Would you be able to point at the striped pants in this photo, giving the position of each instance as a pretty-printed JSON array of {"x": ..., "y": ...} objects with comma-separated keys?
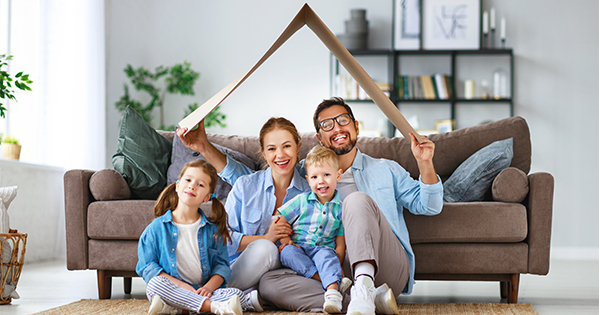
[{"x": 181, "y": 298}]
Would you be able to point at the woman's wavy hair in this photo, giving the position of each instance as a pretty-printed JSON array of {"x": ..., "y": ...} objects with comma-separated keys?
[{"x": 168, "y": 199}]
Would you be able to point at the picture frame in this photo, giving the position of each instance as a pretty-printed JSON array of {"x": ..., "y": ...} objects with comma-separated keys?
[
  {"x": 443, "y": 126},
  {"x": 407, "y": 25},
  {"x": 451, "y": 24}
]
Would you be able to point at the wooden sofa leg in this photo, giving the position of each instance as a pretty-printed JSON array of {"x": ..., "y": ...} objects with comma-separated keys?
[
  {"x": 104, "y": 285},
  {"x": 127, "y": 285},
  {"x": 513, "y": 288},
  {"x": 503, "y": 289}
]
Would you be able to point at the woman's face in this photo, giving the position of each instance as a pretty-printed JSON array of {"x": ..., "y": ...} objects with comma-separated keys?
[{"x": 280, "y": 151}]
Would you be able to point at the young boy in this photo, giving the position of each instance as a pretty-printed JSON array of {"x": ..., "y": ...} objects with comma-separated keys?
[{"x": 318, "y": 244}]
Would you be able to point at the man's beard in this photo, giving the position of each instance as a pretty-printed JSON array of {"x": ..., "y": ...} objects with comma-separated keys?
[{"x": 345, "y": 149}]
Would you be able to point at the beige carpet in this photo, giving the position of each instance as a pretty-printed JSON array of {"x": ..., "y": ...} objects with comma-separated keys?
[{"x": 102, "y": 307}]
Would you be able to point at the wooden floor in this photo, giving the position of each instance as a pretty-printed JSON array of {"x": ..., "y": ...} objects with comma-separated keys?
[{"x": 571, "y": 287}]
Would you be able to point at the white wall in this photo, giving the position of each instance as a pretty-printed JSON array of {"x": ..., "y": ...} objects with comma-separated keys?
[{"x": 556, "y": 77}]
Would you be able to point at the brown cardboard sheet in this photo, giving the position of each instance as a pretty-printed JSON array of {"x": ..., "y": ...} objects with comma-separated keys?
[{"x": 308, "y": 17}]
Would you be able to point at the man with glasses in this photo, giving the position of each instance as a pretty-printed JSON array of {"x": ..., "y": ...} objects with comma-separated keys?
[{"x": 374, "y": 193}]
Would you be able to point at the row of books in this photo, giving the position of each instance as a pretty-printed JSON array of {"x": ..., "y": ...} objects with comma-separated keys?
[
  {"x": 348, "y": 88},
  {"x": 437, "y": 86}
]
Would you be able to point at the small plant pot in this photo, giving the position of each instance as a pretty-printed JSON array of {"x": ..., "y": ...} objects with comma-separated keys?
[{"x": 11, "y": 151}]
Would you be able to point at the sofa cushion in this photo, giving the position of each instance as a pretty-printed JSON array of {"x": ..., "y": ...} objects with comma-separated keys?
[
  {"x": 142, "y": 157},
  {"x": 108, "y": 184},
  {"x": 473, "y": 178},
  {"x": 119, "y": 219},
  {"x": 470, "y": 222},
  {"x": 511, "y": 185},
  {"x": 181, "y": 155}
]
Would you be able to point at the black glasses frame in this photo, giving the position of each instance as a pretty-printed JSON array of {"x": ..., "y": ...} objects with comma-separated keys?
[{"x": 336, "y": 119}]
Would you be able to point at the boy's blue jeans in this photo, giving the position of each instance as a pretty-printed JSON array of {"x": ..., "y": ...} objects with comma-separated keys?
[{"x": 309, "y": 260}]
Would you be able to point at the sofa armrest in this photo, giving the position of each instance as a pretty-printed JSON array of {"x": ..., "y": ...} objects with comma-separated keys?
[
  {"x": 77, "y": 199},
  {"x": 539, "y": 220}
]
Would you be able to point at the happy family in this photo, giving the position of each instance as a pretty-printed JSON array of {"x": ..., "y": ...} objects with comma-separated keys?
[{"x": 323, "y": 234}]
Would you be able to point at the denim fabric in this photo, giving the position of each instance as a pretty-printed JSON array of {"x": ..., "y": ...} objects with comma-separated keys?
[
  {"x": 309, "y": 260},
  {"x": 156, "y": 250},
  {"x": 473, "y": 177},
  {"x": 251, "y": 202}
]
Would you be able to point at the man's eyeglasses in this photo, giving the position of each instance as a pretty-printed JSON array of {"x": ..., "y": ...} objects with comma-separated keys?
[{"x": 342, "y": 120}]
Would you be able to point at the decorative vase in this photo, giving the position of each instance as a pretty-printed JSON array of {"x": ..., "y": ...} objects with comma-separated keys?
[{"x": 11, "y": 151}]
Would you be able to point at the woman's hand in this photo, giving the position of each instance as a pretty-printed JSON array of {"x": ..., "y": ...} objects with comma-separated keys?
[
  {"x": 196, "y": 139},
  {"x": 278, "y": 230}
]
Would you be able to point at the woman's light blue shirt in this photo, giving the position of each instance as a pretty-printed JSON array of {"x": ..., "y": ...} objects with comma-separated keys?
[
  {"x": 251, "y": 201},
  {"x": 156, "y": 250}
]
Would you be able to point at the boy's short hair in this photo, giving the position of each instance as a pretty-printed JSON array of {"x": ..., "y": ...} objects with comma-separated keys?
[{"x": 319, "y": 155}]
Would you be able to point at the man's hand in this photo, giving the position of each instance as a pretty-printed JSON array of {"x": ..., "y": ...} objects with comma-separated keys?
[{"x": 423, "y": 152}]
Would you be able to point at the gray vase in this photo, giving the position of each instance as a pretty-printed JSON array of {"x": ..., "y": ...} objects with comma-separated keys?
[{"x": 357, "y": 30}]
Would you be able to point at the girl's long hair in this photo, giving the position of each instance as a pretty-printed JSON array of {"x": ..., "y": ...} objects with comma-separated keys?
[{"x": 168, "y": 199}]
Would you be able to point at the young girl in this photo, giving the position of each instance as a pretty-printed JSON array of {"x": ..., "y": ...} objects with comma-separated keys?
[{"x": 182, "y": 255}]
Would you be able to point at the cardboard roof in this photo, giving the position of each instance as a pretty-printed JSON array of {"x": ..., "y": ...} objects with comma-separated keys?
[{"x": 308, "y": 17}]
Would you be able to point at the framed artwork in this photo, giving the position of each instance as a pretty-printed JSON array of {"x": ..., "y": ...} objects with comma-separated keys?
[
  {"x": 407, "y": 24},
  {"x": 443, "y": 126},
  {"x": 451, "y": 24}
]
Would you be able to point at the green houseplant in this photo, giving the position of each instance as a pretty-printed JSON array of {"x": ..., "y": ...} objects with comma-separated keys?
[
  {"x": 177, "y": 79},
  {"x": 8, "y": 83}
]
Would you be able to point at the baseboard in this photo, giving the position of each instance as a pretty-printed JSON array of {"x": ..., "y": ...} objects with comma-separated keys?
[{"x": 574, "y": 253}]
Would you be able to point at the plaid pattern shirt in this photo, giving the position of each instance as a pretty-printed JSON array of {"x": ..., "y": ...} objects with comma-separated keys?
[{"x": 314, "y": 224}]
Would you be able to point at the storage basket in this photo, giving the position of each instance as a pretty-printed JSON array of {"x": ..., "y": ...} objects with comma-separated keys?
[{"x": 12, "y": 244}]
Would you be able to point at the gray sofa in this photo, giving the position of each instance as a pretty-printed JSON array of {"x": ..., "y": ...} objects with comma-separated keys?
[{"x": 491, "y": 240}]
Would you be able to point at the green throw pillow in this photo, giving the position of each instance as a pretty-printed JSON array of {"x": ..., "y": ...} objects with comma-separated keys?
[{"x": 143, "y": 156}]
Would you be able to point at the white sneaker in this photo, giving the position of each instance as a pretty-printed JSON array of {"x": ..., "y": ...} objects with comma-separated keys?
[
  {"x": 362, "y": 298},
  {"x": 345, "y": 284},
  {"x": 158, "y": 306},
  {"x": 251, "y": 302},
  {"x": 333, "y": 302},
  {"x": 385, "y": 301},
  {"x": 231, "y": 307}
]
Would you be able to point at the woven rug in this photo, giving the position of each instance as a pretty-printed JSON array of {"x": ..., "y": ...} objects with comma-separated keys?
[{"x": 101, "y": 307}]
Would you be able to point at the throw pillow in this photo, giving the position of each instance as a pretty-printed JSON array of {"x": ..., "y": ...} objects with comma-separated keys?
[
  {"x": 142, "y": 157},
  {"x": 473, "y": 178},
  {"x": 182, "y": 155},
  {"x": 108, "y": 184},
  {"x": 511, "y": 185}
]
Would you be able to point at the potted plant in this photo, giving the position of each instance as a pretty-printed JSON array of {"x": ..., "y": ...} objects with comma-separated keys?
[
  {"x": 11, "y": 148},
  {"x": 177, "y": 79}
]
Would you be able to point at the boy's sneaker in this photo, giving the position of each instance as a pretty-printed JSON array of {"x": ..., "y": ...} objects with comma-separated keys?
[
  {"x": 158, "y": 306},
  {"x": 333, "y": 302},
  {"x": 231, "y": 307},
  {"x": 345, "y": 284},
  {"x": 251, "y": 302},
  {"x": 385, "y": 301},
  {"x": 362, "y": 298}
]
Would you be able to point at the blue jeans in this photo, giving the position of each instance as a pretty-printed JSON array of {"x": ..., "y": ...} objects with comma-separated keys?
[{"x": 309, "y": 260}]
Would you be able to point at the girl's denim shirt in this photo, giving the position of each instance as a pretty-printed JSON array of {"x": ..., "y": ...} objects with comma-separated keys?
[{"x": 156, "y": 250}]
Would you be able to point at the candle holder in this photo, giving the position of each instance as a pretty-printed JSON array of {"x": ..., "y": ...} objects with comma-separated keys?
[
  {"x": 484, "y": 44},
  {"x": 492, "y": 38},
  {"x": 503, "y": 43}
]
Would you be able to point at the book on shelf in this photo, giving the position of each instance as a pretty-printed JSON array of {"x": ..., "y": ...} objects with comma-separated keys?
[{"x": 429, "y": 87}]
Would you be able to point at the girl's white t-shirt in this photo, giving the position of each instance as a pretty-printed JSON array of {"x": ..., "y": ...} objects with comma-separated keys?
[{"x": 188, "y": 253}]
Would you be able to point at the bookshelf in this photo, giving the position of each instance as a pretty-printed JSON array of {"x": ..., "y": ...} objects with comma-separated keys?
[{"x": 458, "y": 65}]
